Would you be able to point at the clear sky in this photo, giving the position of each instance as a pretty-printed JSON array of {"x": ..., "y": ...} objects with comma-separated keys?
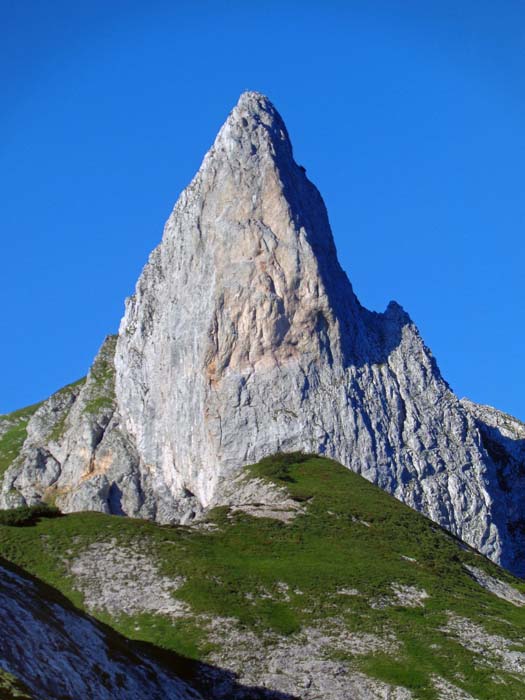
[{"x": 409, "y": 117}]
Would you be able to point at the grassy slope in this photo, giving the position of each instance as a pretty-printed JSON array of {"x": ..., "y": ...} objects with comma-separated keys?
[{"x": 320, "y": 552}]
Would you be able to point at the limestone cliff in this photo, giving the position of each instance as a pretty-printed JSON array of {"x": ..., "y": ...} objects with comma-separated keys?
[{"x": 243, "y": 338}]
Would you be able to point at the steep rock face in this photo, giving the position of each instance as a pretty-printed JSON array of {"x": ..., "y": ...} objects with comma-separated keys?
[
  {"x": 243, "y": 338},
  {"x": 57, "y": 652}
]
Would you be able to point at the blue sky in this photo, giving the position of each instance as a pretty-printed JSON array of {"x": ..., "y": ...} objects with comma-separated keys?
[{"x": 408, "y": 116}]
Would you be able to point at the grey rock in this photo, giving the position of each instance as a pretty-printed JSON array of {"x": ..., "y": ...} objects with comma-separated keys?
[
  {"x": 448, "y": 691},
  {"x": 122, "y": 580},
  {"x": 503, "y": 438},
  {"x": 57, "y": 651},
  {"x": 494, "y": 651},
  {"x": 404, "y": 596},
  {"x": 75, "y": 454},
  {"x": 494, "y": 585},
  {"x": 244, "y": 338},
  {"x": 258, "y": 498},
  {"x": 300, "y": 665}
]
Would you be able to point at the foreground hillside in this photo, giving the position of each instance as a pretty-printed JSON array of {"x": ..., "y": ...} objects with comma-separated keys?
[
  {"x": 48, "y": 649},
  {"x": 312, "y": 583}
]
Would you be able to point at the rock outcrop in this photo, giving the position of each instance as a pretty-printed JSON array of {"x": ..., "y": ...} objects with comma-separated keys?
[
  {"x": 243, "y": 338},
  {"x": 503, "y": 438}
]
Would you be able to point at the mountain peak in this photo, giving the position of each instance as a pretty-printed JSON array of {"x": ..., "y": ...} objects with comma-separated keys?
[
  {"x": 254, "y": 100},
  {"x": 254, "y": 128},
  {"x": 256, "y": 107},
  {"x": 244, "y": 338}
]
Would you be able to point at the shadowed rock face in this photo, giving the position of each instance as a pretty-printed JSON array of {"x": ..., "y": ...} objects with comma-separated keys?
[
  {"x": 503, "y": 438},
  {"x": 244, "y": 337},
  {"x": 58, "y": 652}
]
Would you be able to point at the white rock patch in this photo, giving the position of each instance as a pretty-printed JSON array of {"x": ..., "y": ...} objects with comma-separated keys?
[
  {"x": 347, "y": 591},
  {"x": 494, "y": 650},
  {"x": 494, "y": 585},
  {"x": 448, "y": 691},
  {"x": 302, "y": 664},
  {"x": 259, "y": 498},
  {"x": 123, "y": 580},
  {"x": 405, "y": 596}
]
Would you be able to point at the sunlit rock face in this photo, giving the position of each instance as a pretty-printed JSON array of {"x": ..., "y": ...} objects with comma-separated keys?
[{"x": 244, "y": 337}]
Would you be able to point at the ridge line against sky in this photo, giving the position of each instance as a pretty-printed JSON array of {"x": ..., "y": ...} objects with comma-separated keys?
[{"x": 409, "y": 120}]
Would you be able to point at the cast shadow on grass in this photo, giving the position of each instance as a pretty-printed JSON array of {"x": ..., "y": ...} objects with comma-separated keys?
[{"x": 212, "y": 682}]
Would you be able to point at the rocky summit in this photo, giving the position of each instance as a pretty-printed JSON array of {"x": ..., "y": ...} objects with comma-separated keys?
[{"x": 244, "y": 338}]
